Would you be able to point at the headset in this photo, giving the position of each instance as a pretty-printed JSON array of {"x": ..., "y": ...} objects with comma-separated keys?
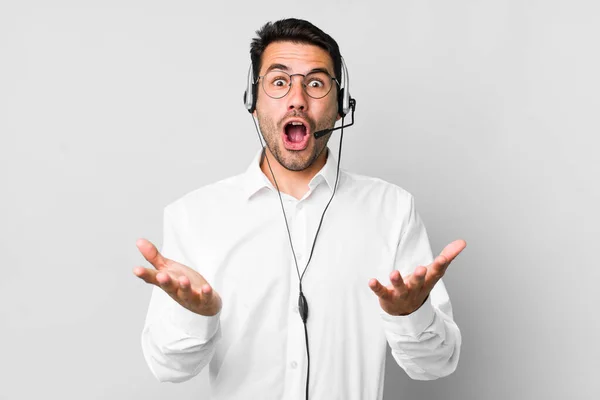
[{"x": 345, "y": 102}]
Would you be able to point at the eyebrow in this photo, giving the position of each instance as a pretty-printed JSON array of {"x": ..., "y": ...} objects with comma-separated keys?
[
  {"x": 277, "y": 66},
  {"x": 286, "y": 69},
  {"x": 319, "y": 70}
]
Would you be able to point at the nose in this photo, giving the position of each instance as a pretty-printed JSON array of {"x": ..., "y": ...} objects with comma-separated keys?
[{"x": 297, "y": 97}]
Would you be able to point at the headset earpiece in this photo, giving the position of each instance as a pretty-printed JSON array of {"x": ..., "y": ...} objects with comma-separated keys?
[
  {"x": 254, "y": 97},
  {"x": 251, "y": 92},
  {"x": 340, "y": 99},
  {"x": 344, "y": 92}
]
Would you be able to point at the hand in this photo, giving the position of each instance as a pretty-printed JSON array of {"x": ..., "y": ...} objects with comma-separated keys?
[
  {"x": 185, "y": 285},
  {"x": 405, "y": 296}
]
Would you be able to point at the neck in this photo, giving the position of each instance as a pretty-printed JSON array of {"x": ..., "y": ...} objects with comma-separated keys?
[{"x": 294, "y": 183}]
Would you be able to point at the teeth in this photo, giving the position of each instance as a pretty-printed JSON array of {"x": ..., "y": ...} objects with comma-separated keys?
[{"x": 297, "y": 123}]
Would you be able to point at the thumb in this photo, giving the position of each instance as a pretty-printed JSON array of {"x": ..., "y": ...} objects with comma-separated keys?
[{"x": 151, "y": 253}]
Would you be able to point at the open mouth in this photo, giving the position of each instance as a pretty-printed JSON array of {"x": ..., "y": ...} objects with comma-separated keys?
[{"x": 295, "y": 135}]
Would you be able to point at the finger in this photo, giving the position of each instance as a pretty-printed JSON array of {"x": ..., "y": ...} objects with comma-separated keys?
[
  {"x": 417, "y": 278},
  {"x": 167, "y": 283},
  {"x": 207, "y": 293},
  {"x": 438, "y": 267},
  {"x": 452, "y": 250},
  {"x": 151, "y": 253},
  {"x": 398, "y": 282},
  {"x": 381, "y": 291},
  {"x": 186, "y": 293},
  {"x": 147, "y": 275}
]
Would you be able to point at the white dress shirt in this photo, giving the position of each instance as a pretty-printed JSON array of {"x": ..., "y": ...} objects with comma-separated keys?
[{"x": 233, "y": 233}]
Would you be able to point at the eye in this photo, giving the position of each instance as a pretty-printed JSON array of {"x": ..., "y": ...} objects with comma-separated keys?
[
  {"x": 315, "y": 83},
  {"x": 278, "y": 80}
]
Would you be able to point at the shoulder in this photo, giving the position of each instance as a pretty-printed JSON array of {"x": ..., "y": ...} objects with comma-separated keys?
[
  {"x": 375, "y": 188},
  {"x": 209, "y": 197},
  {"x": 376, "y": 204}
]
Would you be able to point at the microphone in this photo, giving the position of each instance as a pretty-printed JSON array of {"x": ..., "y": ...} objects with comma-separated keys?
[{"x": 324, "y": 132}]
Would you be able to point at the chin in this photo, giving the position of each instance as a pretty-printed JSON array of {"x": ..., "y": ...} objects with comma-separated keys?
[{"x": 298, "y": 160}]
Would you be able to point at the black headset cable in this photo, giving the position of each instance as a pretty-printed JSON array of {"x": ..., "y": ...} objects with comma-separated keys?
[{"x": 302, "y": 303}]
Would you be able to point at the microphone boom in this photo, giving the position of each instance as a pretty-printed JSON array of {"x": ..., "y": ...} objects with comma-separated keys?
[{"x": 324, "y": 132}]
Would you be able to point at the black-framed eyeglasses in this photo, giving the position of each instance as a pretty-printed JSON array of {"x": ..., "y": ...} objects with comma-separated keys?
[{"x": 277, "y": 84}]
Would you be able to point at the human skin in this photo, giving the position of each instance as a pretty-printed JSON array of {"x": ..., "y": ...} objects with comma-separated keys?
[
  {"x": 293, "y": 170},
  {"x": 405, "y": 295}
]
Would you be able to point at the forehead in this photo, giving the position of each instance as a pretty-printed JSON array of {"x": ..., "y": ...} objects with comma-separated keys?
[{"x": 298, "y": 57}]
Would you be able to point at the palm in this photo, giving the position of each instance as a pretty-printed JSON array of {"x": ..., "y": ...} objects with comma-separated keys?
[
  {"x": 177, "y": 270},
  {"x": 404, "y": 296},
  {"x": 184, "y": 284},
  {"x": 394, "y": 304}
]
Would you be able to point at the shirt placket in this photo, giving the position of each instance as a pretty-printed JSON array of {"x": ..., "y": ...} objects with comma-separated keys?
[{"x": 296, "y": 359}]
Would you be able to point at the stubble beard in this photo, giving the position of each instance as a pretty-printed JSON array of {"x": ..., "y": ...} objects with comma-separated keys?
[{"x": 289, "y": 159}]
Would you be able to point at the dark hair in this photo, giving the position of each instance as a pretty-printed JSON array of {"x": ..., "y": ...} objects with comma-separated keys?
[{"x": 297, "y": 31}]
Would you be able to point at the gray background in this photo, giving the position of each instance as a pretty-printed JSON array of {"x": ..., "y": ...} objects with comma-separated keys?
[{"x": 486, "y": 111}]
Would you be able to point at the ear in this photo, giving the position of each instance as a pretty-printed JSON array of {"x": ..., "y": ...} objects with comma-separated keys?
[{"x": 338, "y": 117}]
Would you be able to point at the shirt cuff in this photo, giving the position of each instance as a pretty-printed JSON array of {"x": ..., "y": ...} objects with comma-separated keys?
[
  {"x": 412, "y": 324},
  {"x": 195, "y": 325}
]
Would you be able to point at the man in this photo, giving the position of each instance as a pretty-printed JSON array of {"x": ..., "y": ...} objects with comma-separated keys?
[{"x": 238, "y": 254}]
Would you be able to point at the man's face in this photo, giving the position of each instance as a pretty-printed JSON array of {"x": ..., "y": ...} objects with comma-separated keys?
[{"x": 288, "y": 123}]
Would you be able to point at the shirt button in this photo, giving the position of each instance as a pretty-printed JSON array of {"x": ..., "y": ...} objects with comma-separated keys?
[
  {"x": 295, "y": 309},
  {"x": 299, "y": 207},
  {"x": 294, "y": 364}
]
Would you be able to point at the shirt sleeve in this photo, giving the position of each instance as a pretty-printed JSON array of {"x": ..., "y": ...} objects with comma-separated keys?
[
  {"x": 177, "y": 343},
  {"x": 425, "y": 343}
]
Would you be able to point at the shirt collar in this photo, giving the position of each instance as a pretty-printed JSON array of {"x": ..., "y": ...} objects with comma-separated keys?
[{"x": 255, "y": 179}]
